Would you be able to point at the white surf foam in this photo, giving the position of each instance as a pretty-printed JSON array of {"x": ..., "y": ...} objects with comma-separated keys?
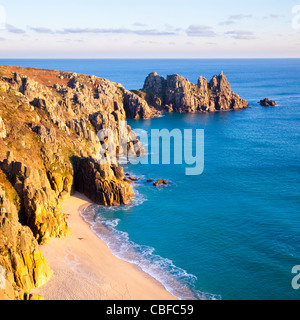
[{"x": 176, "y": 280}]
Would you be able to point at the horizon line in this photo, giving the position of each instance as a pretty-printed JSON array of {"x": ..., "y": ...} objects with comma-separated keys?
[{"x": 253, "y": 58}]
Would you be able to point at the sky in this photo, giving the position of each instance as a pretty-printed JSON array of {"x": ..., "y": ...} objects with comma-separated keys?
[{"x": 149, "y": 29}]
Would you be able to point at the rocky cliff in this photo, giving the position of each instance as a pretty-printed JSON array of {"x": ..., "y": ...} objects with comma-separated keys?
[
  {"x": 179, "y": 95},
  {"x": 50, "y": 146},
  {"x": 40, "y": 208},
  {"x": 23, "y": 265}
]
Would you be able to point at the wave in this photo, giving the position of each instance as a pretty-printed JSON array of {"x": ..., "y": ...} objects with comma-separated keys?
[{"x": 177, "y": 281}]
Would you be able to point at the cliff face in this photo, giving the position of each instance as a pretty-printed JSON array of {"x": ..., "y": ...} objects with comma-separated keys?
[
  {"x": 40, "y": 208},
  {"x": 25, "y": 267},
  {"x": 48, "y": 148},
  {"x": 2, "y": 129},
  {"x": 109, "y": 187},
  {"x": 177, "y": 94}
]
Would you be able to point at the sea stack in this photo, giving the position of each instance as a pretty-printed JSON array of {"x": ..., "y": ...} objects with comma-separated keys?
[{"x": 178, "y": 94}]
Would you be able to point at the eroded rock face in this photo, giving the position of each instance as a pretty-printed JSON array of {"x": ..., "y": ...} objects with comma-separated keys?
[
  {"x": 136, "y": 107},
  {"x": 179, "y": 95},
  {"x": 103, "y": 184},
  {"x": 83, "y": 105},
  {"x": 24, "y": 266},
  {"x": 79, "y": 99},
  {"x": 2, "y": 129},
  {"x": 40, "y": 208},
  {"x": 203, "y": 86},
  {"x": 155, "y": 83},
  {"x": 78, "y": 107}
]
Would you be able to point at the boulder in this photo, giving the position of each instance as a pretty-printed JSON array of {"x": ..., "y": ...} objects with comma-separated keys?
[
  {"x": 268, "y": 103},
  {"x": 133, "y": 178},
  {"x": 160, "y": 182}
]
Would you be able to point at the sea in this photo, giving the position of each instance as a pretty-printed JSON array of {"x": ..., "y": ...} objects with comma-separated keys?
[{"x": 233, "y": 232}]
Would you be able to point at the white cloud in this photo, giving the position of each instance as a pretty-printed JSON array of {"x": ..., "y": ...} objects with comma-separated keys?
[
  {"x": 12, "y": 29},
  {"x": 240, "y": 16},
  {"x": 241, "y": 34},
  {"x": 42, "y": 30},
  {"x": 196, "y": 30}
]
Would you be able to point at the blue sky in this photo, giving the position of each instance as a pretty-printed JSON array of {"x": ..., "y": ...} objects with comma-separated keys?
[{"x": 148, "y": 29}]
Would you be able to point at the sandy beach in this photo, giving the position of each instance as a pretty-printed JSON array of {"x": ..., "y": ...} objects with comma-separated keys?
[{"x": 85, "y": 269}]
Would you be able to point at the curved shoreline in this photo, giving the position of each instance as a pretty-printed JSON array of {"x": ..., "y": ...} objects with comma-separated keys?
[
  {"x": 85, "y": 269},
  {"x": 160, "y": 269}
]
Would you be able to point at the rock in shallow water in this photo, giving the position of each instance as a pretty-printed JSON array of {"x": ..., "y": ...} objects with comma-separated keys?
[
  {"x": 268, "y": 103},
  {"x": 160, "y": 182}
]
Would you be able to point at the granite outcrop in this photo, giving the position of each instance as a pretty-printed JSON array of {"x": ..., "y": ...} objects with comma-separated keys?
[{"x": 177, "y": 94}]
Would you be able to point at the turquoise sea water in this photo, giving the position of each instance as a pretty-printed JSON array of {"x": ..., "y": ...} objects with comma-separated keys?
[{"x": 234, "y": 231}]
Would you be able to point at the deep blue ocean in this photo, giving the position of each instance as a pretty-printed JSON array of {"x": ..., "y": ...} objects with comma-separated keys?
[{"x": 234, "y": 231}]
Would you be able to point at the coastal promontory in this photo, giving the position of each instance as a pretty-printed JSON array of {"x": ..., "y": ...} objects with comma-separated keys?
[
  {"x": 49, "y": 149},
  {"x": 178, "y": 94}
]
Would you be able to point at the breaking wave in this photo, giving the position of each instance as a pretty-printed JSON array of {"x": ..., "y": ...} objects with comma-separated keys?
[{"x": 177, "y": 281}]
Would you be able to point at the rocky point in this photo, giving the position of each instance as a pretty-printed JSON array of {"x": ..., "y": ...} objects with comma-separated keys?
[{"x": 50, "y": 147}]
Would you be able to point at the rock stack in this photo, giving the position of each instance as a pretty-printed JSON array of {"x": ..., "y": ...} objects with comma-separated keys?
[{"x": 177, "y": 94}]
